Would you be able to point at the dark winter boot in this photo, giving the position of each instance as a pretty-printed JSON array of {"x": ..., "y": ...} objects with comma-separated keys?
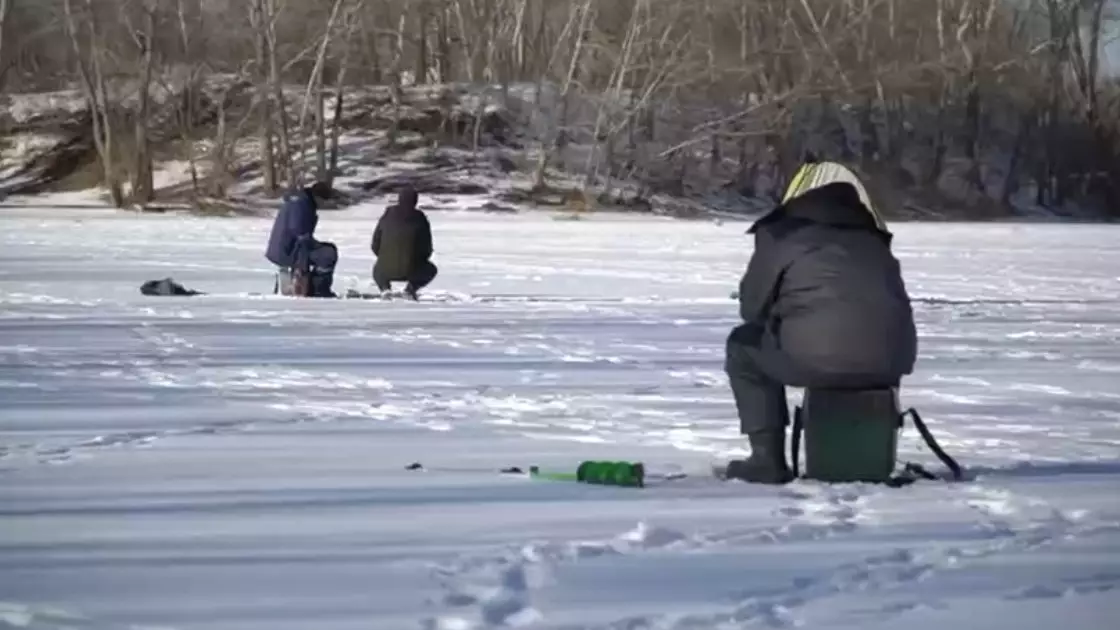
[
  {"x": 767, "y": 462},
  {"x": 321, "y": 285},
  {"x": 410, "y": 292}
]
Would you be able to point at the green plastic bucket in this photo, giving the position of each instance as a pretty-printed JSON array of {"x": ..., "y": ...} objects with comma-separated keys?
[{"x": 850, "y": 435}]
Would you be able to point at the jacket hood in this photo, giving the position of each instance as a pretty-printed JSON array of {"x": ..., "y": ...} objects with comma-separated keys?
[
  {"x": 836, "y": 204},
  {"x": 302, "y": 197},
  {"x": 407, "y": 198}
]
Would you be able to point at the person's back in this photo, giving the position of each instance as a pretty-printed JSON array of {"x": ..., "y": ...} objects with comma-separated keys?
[
  {"x": 292, "y": 243},
  {"x": 823, "y": 306},
  {"x": 402, "y": 243},
  {"x": 296, "y": 220},
  {"x": 841, "y": 308}
]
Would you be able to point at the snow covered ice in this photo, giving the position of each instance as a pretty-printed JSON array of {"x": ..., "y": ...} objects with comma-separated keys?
[{"x": 236, "y": 461}]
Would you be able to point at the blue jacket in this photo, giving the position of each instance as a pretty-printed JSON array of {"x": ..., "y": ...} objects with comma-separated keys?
[{"x": 293, "y": 231}]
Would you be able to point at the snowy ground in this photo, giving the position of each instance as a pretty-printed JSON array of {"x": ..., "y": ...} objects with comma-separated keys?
[{"x": 236, "y": 461}]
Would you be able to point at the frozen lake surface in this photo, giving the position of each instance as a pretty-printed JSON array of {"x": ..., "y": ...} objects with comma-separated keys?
[{"x": 236, "y": 460}]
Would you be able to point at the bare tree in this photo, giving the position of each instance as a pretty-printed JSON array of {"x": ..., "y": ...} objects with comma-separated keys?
[
  {"x": 270, "y": 16},
  {"x": 89, "y": 51},
  {"x": 328, "y": 170},
  {"x": 313, "y": 90},
  {"x": 188, "y": 103},
  {"x": 141, "y": 184},
  {"x": 578, "y": 25},
  {"x": 674, "y": 97},
  {"x": 258, "y": 18},
  {"x": 226, "y": 133},
  {"x": 5, "y": 10}
]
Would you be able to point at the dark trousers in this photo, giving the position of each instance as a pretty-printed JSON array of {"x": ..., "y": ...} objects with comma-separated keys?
[
  {"x": 759, "y": 371},
  {"x": 755, "y": 371},
  {"x": 323, "y": 257},
  {"x": 420, "y": 277}
]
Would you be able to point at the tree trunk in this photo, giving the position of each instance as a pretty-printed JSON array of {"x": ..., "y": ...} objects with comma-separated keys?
[
  {"x": 264, "y": 95},
  {"x": 972, "y": 148},
  {"x": 219, "y": 164},
  {"x": 336, "y": 129},
  {"x": 320, "y": 133},
  {"x": 940, "y": 148},
  {"x": 5, "y": 10},
  {"x": 421, "y": 67},
  {"x": 487, "y": 76},
  {"x": 519, "y": 60},
  {"x": 443, "y": 48},
  {"x": 371, "y": 44},
  {"x": 142, "y": 183},
  {"x": 1011, "y": 180},
  {"x": 276, "y": 80},
  {"x": 93, "y": 82},
  {"x": 339, "y": 97},
  {"x": 396, "y": 92},
  {"x": 188, "y": 104},
  {"x": 559, "y": 133},
  {"x": 313, "y": 92}
]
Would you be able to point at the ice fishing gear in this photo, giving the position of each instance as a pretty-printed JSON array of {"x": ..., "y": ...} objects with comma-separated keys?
[
  {"x": 852, "y": 436},
  {"x": 849, "y": 435},
  {"x": 620, "y": 473},
  {"x": 602, "y": 473}
]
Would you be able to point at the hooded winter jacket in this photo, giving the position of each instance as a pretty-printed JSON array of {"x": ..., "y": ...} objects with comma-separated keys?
[
  {"x": 402, "y": 240},
  {"x": 293, "y": 231},
  {"x": 824, "y": 284}
]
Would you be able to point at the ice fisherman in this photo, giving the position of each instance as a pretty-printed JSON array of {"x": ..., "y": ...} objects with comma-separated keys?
[
  {"x": 292, "y": 243},
  {"x": 402, "y": 244},
  {"x": 823, "y": 305}
]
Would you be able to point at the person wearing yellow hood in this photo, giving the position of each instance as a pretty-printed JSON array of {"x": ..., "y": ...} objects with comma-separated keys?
[{"x": 823, "y": 305}]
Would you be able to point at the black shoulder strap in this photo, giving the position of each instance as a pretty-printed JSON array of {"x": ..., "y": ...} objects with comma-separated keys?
[
  {"x": 928, "y": 438},
  {"x": 911, "y": 471},
  {"x": 795, "y": 441}
]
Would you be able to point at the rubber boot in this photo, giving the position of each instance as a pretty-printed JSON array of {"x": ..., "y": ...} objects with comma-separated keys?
[{"x": 767, "y": 462}]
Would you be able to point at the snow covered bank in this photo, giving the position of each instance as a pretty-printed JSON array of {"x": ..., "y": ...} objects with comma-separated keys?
[{"x": 236, "y": 460}]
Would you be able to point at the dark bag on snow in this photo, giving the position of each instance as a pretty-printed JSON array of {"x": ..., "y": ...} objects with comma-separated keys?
[{"x": 167, "y": 286}]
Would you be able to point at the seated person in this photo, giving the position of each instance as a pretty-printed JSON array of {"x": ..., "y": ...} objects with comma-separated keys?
[
  {"x": 292, "y": 243},
  {"x": 823, "y": 305}
]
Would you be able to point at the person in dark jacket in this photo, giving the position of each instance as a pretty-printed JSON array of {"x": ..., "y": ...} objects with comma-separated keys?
[
  {"x": 402, "y": 243},
  {"x": 824, "y": 306},
  {"x": 292, "y": 243}
]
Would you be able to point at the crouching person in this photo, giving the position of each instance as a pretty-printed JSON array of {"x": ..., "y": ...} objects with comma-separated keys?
[
  {"x": 824, "y": 306},
  {"x": 293, "y": 247},
  {"x": 402, "y": 244}
]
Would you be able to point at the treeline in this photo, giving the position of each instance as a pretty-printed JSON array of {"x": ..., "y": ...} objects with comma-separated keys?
[{"x": 977, "y": 103}]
